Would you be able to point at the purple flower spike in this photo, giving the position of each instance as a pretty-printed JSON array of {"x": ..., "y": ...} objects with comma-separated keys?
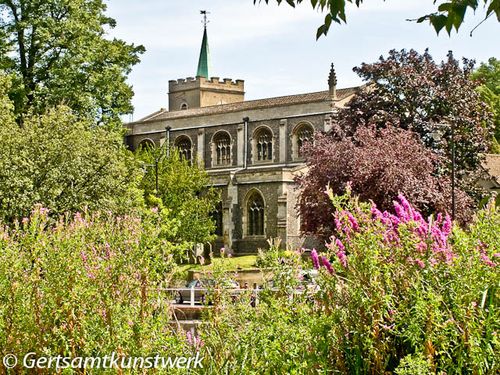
[
  {"x": 342, "y": 258},
  {"x": 339, "y": 244},
  {"x": 353, "y": 221},
  {"x": 327, "y": 265},
  {"x": 315, "y": 259},
  {"x": 447, "y": 225}
]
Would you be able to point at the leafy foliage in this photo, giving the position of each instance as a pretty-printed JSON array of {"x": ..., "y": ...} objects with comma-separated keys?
[
  {"x": 183, "y": 189},
  {"x": 412, "y": 91},
  {"x": 488, "y": 74},
  {"x": 64, "y": 164},
  {"x": 58, "y": 53},
  {"x": 86, "y": 286},
  {"x": 450, "y": 13},
  {"x": 397, "y": 294},
  {"x": 377, "y": 166}
]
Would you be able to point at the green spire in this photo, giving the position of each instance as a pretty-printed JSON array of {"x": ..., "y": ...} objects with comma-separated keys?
[{"x": 204, "y": 56}]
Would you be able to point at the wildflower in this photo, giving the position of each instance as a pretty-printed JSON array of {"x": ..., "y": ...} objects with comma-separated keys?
[
  {"x": 25, "y": 220},
  {"x": 339, "y": 244},
  {"x": 315, "y": 259},
  {"x": 338, "y": 224},
  {"x": 352, "y": 221},
  {"x": 342, "y": 258},
  {"x": 327, "y": 265},
  {"x": 400, "y": 212},
  {"x": 420, "y": 263},
  {"x": 376, "y": 212},
  {"x": 405, "y": 204},
  {"x": 421, "y": 247},
  {"x": 154, "y": 210},
  {"x": 486, "y": 260},
  {"x": 447, "y": 225}
]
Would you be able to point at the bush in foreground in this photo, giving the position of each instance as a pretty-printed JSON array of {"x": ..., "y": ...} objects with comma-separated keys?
[
  {"x": 398, "y": 293},
  {"x": 86, "y": 286}
]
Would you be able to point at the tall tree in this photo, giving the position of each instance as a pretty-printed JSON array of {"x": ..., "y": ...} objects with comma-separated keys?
[
  {"x": 450, "y": 14},
  {"x": 411, "y": 91},
  {"x": 378, "y": 165},
  {"x": 58, "y": 53},
  {"x": 183, "y": 190},
  {"x": 488, "y": 75},
  {"x": 64, "y": 164}
]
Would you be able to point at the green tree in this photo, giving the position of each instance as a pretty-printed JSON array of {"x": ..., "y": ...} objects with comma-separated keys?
[
  {"x": 64, "y": 164},
  {"x": 58, "y": 53},
  {"x": 183, "y": 190},
  {"x": 489, "y": 75},
  {"x": 450, "y": 14}
]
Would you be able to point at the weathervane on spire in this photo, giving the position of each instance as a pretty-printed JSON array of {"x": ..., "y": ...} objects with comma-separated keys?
[{"x": 205, "y": 21}]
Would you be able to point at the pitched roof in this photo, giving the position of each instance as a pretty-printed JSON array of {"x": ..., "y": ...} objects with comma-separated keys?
[{"x": 320, "y": 96}]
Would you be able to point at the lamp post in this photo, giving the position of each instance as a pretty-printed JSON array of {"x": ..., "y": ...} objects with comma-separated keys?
[{"x": 167, "y": 140}]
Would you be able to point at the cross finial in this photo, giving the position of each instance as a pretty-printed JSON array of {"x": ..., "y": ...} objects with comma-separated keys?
[
  {"x": 332, "y": 82},
  {"x": 205, "y": 21}
]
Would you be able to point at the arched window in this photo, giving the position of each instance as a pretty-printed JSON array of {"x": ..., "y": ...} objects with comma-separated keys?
[
  {"x": 303, "y": 134},
  {"x": 255, "y": 212},
  {"x": 184, "y": 146},
  {"x": 222, "y": 149},
  {"x": 146, "y": 144},
  {"x": 184, "y": 106},
  {"x": 264, "y": 144},
  {"x": 217, "y": 218}
]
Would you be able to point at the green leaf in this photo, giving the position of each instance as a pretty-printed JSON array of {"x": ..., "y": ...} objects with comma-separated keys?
[
  {"x": 494, "y": 7},
  {"x": 321, "y": 31},
  {"x": 438, "y": 21}
]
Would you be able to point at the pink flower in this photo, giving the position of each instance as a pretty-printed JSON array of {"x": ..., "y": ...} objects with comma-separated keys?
[
  {"x": 400, "y": 212},
  {"x": 447, "y": 225},
  {"x": 420, "y": 263},
  {"x": 342, "y": 258},
  {"x": 338, "y": 224},
  {"x": 339, "y": 244},
  {"x": 189, "y": 337},
  {"x": 315, "y": 259},
  {"x": 327, "y": 265},
  {"x": 486, "y": 260},
  {"x": 352, "y": 221},
  {"x": 25, "y": 220},
  {"x": 376, "y": 212},
  {"x": 154, "y": 210},
  {"x": 406, "y": 205}
]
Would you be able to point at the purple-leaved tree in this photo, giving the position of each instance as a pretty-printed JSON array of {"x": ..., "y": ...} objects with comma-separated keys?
[{"x": 379, "y": 165}]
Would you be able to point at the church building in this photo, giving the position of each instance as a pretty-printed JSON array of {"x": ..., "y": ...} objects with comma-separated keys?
[{"x": 251, "y": 149}]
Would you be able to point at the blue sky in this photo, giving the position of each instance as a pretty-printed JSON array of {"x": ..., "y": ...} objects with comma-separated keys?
[{"x": 274, "y": 48}]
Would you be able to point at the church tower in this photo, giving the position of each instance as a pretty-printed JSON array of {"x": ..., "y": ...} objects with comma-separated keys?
[{"x": 203, "y": 91}]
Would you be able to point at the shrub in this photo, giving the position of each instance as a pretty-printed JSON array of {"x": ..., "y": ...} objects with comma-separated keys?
[
  {"x": 398, "y": 294},
  {"x": 86, "y": 286}
]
